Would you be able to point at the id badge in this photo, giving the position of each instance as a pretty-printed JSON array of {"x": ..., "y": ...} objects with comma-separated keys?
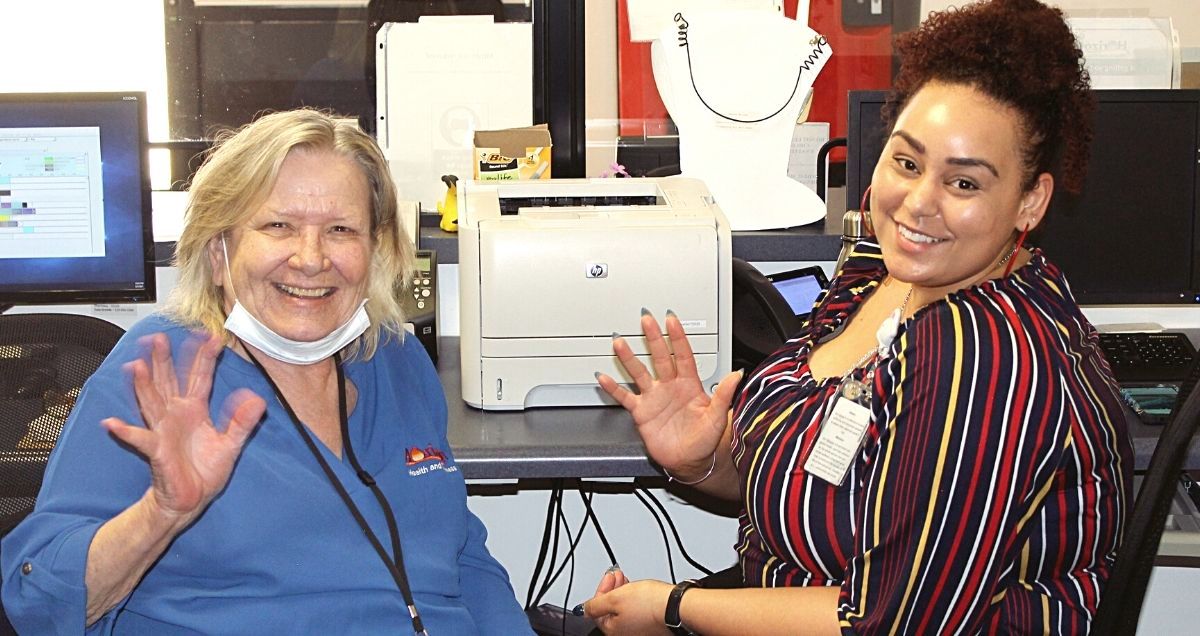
[{"x": 841, "y": 435}]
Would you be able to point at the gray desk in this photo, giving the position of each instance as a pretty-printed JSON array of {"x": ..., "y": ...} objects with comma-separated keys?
[
  {"x": 595, "y": 441},
  {"x": 538, "y": 443}
]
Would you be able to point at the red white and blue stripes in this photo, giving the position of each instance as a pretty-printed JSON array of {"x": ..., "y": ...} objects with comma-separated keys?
[{"x": 990, "y": 492}]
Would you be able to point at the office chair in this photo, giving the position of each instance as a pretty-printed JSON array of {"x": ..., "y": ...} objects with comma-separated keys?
[
  {"x": 1121, "y": 605},
  {"x": 44, "y": 360}
]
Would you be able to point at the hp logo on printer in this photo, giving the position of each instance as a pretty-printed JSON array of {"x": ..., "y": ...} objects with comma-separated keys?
[{"x": 597, "y": 270}]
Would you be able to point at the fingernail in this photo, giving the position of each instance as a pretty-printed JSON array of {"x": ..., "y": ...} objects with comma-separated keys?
[
  {"x": 597, "y": 375},
  {"x": 577, "y": 610},
  {"x": 645, "y": 312},
  {"x": 671, "y": 312},
  {"x": 613, "y": 568},
  {"x": 616, "y": 335}
]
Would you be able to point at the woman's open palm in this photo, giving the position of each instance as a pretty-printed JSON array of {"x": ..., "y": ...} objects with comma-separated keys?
[
  {"x": 678, "y": 421},
  {"x": 190, "y": 458}
]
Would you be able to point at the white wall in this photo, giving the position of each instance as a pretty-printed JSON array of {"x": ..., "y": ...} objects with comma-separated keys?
[{"x": 1185, "y": 14}]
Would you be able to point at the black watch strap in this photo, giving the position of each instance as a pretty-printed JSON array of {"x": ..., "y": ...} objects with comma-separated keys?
[{"x": 671, "y": 616}]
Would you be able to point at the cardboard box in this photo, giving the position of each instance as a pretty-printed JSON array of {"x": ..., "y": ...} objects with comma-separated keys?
[{"x": 513, "y": 154}]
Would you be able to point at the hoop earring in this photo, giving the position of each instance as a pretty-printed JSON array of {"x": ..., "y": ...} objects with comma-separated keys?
[
  {"x": 1020, "y": 242},
  {"x": 864, "y": 213}
]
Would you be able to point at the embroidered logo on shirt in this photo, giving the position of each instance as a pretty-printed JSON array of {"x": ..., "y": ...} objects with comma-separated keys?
[
  {"x": 424, "y": 460},
  {"x": 414, "y": 455}
]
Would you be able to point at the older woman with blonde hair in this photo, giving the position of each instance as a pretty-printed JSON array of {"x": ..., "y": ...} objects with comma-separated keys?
[{"x": 287, "y": 471}]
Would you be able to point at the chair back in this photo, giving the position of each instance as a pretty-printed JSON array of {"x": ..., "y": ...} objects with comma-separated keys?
[
  {"x": 44, "y": 361},
  {"x": 1121, "y": 605}
]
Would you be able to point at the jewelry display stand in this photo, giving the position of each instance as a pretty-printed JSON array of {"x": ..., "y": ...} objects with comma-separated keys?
[{"x": 735, "y": 83}]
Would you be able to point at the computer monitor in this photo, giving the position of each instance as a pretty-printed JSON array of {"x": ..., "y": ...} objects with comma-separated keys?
[
  {"x": 1131, "y": 236},
  {"x": 74, "y": 199}
]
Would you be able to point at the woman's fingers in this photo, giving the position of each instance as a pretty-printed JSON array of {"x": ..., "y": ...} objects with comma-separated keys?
[
  {"x": 245, "y": 410},
  {"x": 685, "y": 361},
  {"x": 599, "y": 605},
  {"x": 150, "y": 401},
  {"x": 623, "y": 396},
  {"x": 204, "y": 364},
  {"x": 162, "y": 368},
  {"x": 634, "y": 367},
  {"x": 722, "y": 397},
  {"x": 660, "y": 354},
  {"x": 142, "y": 440},
  {"x": 611, "y": 580}
]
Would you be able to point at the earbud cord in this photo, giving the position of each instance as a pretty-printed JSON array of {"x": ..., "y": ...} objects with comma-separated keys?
[{"x": 395, "y": 567}]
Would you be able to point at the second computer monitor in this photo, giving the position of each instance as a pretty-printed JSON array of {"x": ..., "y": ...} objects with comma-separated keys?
[{"x": 1131, "y": 236}]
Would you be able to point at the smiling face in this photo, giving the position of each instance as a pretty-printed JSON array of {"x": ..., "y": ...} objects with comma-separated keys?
[
  {"x": 299, "y": 261},
  {"x": 947, "y": 193}
]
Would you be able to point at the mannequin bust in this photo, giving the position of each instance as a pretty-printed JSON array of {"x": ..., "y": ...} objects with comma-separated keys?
[{"x": 735, "y": 83}]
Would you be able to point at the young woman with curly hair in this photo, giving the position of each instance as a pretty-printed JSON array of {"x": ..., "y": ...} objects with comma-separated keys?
[{"x": 942, "y": 448}]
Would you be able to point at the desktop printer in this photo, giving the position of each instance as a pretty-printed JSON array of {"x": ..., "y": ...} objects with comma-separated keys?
[{"x": 549, "y": 271}]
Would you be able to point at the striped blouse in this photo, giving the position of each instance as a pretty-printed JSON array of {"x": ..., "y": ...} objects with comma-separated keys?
[{"x": 990, "y": 491}]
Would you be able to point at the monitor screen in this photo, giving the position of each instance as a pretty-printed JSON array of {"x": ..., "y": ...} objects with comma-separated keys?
[
  {"x": 800, "y": 287},
  {"x": 74, "y": 199},
  {"x": 1130, "y": 236}
]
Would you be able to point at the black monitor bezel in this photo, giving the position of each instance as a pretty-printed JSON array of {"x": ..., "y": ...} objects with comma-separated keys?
[
  {"x": 68, "y": 296},
  {"x": 860, "y": 168}
]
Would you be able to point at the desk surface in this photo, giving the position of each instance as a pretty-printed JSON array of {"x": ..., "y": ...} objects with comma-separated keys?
[
  {"x": 538, "y": 443},
  {"x": 592, "y": 442}
]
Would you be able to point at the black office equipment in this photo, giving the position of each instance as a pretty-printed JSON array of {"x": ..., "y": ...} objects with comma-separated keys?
[
  {"x": 763, "y": 319},
  {"x": 1148, "y": 357},
  {"x": 1131, "y": 236},
  {"x": 75, "y": 199},
  {"x": 1121, "y": 606},
  {"x": 63, "y": 350},
  {"x": 420, "y": 302},
  {"x": 45, "y": 360},
  {"x": 800, "y": 287}
]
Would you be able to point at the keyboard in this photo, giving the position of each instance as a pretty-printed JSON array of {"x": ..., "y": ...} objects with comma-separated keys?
[{"x": 1148, "y": 356}]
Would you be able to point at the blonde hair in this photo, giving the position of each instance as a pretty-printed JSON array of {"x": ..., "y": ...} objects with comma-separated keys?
[{"x": 238, "y": 175}]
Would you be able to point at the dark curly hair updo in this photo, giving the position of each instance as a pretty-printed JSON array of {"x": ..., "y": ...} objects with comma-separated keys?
[{"x": 1020, "y": 53}]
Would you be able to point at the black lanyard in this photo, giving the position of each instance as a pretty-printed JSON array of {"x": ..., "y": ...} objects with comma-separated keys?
[{"x": 395, "y": 566}]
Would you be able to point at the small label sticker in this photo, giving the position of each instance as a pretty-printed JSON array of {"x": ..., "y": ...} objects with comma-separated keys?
[
  {"x": 694, "y": 324},
  {"x": 126, "y": 310}
]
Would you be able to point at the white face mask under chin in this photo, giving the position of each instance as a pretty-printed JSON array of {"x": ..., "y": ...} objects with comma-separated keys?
[{"x": 253, "y": 332}]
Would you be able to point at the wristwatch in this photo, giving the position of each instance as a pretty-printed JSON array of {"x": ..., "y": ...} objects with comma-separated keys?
[{"x": 671, "y": 616}]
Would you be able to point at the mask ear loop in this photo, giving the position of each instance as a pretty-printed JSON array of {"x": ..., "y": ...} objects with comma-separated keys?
[
  {"x": 225, "y": 251},
  {"x": 864, "y": 214},
  {"x": 1016, "y": 248},
  {"x": 228, "y": 274}
]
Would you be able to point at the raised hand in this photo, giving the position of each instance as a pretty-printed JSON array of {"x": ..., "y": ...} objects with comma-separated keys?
[
  {"x": 680, "y": 424},
  {"x": 190, "y": 458}
]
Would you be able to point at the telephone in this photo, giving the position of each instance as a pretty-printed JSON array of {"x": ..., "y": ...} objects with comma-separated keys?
[
  {"x": 769, "y": 310},
  {"x": 419, "y": 302}
]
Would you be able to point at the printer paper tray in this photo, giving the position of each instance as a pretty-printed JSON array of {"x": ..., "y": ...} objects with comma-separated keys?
[
  {"x": 516, "y": 383},
  {"x": 579, "y": 346}
]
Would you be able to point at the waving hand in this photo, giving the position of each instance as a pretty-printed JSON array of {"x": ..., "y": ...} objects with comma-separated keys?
[
  {"x": 680, "y": 424},
  {"x": 190, "y": 458}
]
